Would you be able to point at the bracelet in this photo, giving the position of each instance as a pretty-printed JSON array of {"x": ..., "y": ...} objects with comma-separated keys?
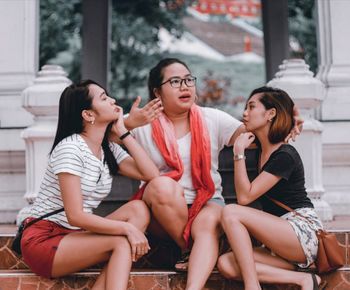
[
  {"x": 125, "y": 135},
  {"x": 237, "y": 157}
]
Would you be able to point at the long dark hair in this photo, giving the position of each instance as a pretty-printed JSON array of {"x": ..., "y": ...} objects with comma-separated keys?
[
  {"x": 75, "y": 99},
  {"x": 283, "y": 122},
  {"x": 155, "y": 77}
]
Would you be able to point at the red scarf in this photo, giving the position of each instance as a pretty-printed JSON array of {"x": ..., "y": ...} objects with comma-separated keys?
[{"x": 163, "y": 134}]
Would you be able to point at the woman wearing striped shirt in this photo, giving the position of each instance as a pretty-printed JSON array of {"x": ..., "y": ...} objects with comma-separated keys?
[{"x": 78, "y": 177}]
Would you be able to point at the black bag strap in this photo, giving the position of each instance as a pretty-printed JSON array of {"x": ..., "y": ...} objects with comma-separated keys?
[{"x": 43, "y": 216}]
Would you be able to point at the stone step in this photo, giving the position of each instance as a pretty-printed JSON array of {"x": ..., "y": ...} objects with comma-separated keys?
[
  {"x": 14, "y": 273},
  {"x": 147, "y": 280},
  {"x": 162, "y": 255}
]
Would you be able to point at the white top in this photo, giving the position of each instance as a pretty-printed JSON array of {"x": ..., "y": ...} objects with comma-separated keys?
[
  {"x": 221, "y": 127},
  {"x": 72, "y": 155}
]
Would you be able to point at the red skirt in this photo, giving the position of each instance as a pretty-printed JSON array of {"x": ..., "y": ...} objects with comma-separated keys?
[{"x": 39, "y": 244}]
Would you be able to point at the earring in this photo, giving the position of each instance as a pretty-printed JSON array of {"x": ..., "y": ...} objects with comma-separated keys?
[{"x": 92, "y": 122}]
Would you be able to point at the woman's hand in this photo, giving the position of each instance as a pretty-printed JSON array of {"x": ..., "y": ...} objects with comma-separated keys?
[
  {"x": 242, "y": 142},
  {"x": 118, "y": 127},
  {"x": 138, "y": 242},
  {"x": 298, "y": 125},
  {"x": 143, "y": 116}
]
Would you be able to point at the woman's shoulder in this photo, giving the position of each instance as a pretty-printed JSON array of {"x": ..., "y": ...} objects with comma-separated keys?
[
  {"x": 216, "y": 114},
  {"x": 72, "y": 143},
  {"x": 289, "y": 150}
]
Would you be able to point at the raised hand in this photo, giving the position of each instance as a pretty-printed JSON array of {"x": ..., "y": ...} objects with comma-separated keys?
[
  {"x": 298, "y": 125},
  {"x": 242, "y": 142},
  {"x": 145, "y": 115},
  {"x": 118, "y": 127}
]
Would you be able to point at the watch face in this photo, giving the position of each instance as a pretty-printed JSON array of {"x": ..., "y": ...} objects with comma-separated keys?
[{"x": 237, "y": 157}]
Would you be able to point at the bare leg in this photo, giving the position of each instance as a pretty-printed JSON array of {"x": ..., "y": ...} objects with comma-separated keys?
[
  {"x": 135, "y": 212},
  {"x": 239, "y": 221},
  {"x": 74, "y": 253},
  {"x": 270, "y": 269},
  {"x": 118, "y": 254},
  {"x": 100, "y": 283},
  {"x": 165, "y": 198},
  {"x": 206, "y": 231}
]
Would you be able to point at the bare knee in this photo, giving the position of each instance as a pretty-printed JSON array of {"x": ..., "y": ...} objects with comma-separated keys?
[
  {"x": 207, "y": 224},
  {"x": 119, "y": 244},
  {"x": 228, "y": 267},
  {"x": 162, "y": 190},
  {"x": 141, "y": 209},
  {"x": 231, "y": 214}
]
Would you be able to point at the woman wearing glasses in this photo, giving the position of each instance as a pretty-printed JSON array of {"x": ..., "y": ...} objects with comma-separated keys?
[{"x": 185, "y": 142}]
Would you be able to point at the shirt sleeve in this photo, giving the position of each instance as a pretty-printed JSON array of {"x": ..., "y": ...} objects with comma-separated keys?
[
  {"x": 227, "y": 125},
  {"x": 281, "y": 164},
  {"x": 67, "y": 157},
  {"x": 119, "y": 153}
]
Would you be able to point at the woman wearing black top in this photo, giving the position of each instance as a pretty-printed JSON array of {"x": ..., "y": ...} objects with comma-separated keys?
[{"x": 288, "y": 239}]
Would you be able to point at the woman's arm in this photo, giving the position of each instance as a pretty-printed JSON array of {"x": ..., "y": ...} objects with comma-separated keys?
[
  {"x": 247, "y": 191},
  {"x": 70, "y": 187},
  {"x": 140, "y": 166},
  {"x": 241, "y": 129}
]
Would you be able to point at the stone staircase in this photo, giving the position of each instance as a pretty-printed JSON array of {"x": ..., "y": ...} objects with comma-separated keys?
[{"x": 153, "y": 272}]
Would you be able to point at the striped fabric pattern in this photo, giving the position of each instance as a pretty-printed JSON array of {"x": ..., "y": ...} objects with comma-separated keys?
[{"x": 72, "y": 155}]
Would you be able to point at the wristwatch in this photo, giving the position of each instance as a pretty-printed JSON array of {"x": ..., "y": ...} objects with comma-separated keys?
[{"x": 237, "y": 157}]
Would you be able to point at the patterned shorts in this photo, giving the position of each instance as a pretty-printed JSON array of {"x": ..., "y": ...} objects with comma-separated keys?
[{"x": 306, "y": 232}]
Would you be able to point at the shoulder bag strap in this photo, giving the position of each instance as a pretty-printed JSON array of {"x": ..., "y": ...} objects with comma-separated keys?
[
  {"x": 44, "y": 216},
  {"x": 287, "y": 208}
]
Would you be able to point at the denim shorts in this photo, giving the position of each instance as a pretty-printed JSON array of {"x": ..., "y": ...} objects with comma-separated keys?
[{"x": 218, "y": 201}]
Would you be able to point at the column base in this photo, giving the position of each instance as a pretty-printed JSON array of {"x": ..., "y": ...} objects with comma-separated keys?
[{"x": 323, "y": 209}]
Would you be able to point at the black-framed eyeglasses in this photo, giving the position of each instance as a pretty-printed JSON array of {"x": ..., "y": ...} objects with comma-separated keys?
[{"x": 176, "y": 82}]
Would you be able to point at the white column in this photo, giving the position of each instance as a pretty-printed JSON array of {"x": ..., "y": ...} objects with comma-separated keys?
[
  {"x": 307, "y": 92},
  {"x": 18, "y": 58},
  {"x": 41, "y": 99},
  {"x": 334, "y": 72},
  {"x": 18, "y": 65},
  {"x": 334, "y": 57}
]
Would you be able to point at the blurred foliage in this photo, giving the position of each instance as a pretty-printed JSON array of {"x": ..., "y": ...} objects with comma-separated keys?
[
  {"x": 60, "y": 28},
  {"x": 134, "y": 43},
  {"x": 302, "y": 25},
  {"x": 134, "y": 46}
]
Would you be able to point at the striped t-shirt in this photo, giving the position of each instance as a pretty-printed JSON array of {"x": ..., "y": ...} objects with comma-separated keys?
[{"x": 72, "y": 155}]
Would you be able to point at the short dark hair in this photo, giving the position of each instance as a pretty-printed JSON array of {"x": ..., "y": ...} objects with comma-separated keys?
[
  {"x": 155, "y": 77},
  {"x": 75, "y": 99},
  {"x": 283, "y": 122}
]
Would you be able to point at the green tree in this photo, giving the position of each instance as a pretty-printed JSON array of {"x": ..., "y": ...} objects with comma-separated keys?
[
  {"x": 302, "y": 25},
  {"x": 60, "y": 27},
  {"x": 134, "y": 43},
  {"x": 135, "y": 48}
]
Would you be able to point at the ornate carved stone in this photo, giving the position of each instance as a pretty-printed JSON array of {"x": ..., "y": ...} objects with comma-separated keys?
[{"x": 308, "y": 92}]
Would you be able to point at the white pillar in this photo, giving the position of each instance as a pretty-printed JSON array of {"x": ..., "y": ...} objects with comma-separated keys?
[
  {"x": 334, "y": 58},
  {"x": 307, "y": 92},
  {"x": 18, "y": 65},
  {"x": 41, "y": 99},
  {"x": 334, "y": 72},
  {"x": 18, "y": 58}
]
